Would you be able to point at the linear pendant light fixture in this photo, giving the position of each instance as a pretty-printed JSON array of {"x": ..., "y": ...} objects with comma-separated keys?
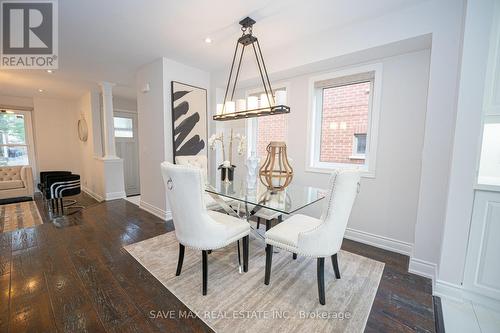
[{"x": 269, "y": 103}]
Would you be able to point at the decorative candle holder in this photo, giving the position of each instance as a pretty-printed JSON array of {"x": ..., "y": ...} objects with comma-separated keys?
[{"x": 276, "y": 172}]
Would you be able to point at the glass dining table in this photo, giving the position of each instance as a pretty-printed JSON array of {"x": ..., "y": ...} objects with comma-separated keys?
[
  {"x": 252, "y": 198},
  {"x": 239, "y": 199}
]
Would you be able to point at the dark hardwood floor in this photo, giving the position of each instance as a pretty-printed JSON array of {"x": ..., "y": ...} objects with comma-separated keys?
[{"x": 79, "y": 279}]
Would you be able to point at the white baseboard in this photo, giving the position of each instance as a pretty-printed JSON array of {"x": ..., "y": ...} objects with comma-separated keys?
[
  {"x": 423, "y": 268},
  {"x": 164, "y": 215},
  {"x": 382, "y": 242},
  {"x": 106, "y": 197},
  {"x": 417, "y": 266},
  {"x": 458, "y": 293},
  {"x": 93, "y": 194},
  {"x": 115, "y": 195},
  {"x": 448, "y": 290}
]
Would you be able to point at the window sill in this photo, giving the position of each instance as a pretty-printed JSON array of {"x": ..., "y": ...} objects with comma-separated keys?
[
  {"x": 487, "y": 187},
  {"x": 357, "y": 157},
  {"x": 364, "y": 173}
]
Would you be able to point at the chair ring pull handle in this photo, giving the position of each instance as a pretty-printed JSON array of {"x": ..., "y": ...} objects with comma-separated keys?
[{"x": 170, "y": 184}]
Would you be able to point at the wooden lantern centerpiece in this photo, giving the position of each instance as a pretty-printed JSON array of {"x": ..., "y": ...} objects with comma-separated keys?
[{"x": 276, "y": 172}]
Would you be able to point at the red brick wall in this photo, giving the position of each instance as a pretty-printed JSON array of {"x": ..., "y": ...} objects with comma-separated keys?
[
  {"x": 270, "y": 128},
  {"x": 345, "y": 113}
]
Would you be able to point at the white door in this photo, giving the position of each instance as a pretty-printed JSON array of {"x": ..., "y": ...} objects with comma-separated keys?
[
  {"x": 125, "y": 124},
  {"x": 482, "y": 269}
]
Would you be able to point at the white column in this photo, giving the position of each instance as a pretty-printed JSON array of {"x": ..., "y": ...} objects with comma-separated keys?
[{"x": 107, "y": 120}]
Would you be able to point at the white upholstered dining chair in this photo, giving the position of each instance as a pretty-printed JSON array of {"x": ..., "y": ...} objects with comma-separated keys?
[
  {"x": 317, "y": 238},
  {"x": 195, "y": 226},
  {"x": 201, "y": 162}
]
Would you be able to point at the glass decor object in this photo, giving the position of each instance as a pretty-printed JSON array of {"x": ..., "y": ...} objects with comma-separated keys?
[
  {"x": 269, "y": 103},
  {"x": 276, "y": 173},
  {"x": 252, "y": 170}
]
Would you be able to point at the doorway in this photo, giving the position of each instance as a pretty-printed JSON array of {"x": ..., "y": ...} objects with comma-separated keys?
[{"x": 127, "y": 148}]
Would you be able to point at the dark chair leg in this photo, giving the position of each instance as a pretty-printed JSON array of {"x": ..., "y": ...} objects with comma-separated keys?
[
  {"x": 269, "y": 261},
  {"x": 258, "y": 222},
  {"x": 295, "y": 256},
  {"x": 268, "y": 225},
  {"x": 245, "y": 253},
  {"x": 205, "y": 271},
  {"x": 181, "y": 259},
  {"x": 239, "y": 253},
  {"x": 321, "y": 280},
  {"x": 335, "y": 264}
]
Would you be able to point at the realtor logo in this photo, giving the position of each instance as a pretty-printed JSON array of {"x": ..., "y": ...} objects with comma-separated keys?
[{"x": 29, "y": 34}]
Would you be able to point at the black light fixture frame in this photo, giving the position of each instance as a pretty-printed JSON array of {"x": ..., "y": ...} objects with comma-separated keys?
[{"x": 249, "y": 39}]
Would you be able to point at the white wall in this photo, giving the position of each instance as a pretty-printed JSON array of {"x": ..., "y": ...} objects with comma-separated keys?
[
  {"x": 57, "y": 146},
  {"x": 55, "y": 133},
  {"x": 91, "y": 178},
  {"x": 155, "y": 124},
  {"x": 14, "y": 101},
  {"x": 151, "y": 110},
  {"x": 387, "y": 204},
  {"x": 443, "y": 19},
  {"x": 439, "y": 129},
  {"x": 120, "y": 103},
  {"x": 466, "y": 146}
]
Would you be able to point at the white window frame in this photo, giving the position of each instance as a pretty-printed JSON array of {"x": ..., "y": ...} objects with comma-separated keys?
[
  {"x": 30, "y": 142},
  {"x": 251, "y": 123},
  {"x": 313, "y": 163},
  {"x": 491, "y": 108}
]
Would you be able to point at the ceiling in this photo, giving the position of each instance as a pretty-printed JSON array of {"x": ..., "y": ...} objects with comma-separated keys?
[{"x": 109, "y": 40}]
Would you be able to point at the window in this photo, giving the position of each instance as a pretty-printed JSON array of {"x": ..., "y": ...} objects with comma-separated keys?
[
  {"x": 488, "y": 173},
  {"x": 124, "y": 127},
  {"x": 343, "y": 120},
  {"x": 14, "y": 139},
  {"x": 359, "y": 148},
  {"x": 262, "y": 130}
]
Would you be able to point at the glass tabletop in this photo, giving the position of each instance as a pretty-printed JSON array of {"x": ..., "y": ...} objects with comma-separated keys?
[{"x": 293, "y": 198}]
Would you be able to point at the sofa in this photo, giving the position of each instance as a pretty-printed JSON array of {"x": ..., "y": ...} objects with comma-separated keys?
[{"x": 16, "y": 181}]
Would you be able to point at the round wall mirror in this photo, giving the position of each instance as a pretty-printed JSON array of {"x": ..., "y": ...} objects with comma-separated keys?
[{"x": 82, "y": 130}]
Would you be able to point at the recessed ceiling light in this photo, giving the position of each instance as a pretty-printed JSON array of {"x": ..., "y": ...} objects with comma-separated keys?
[
  {"x": 208, "y": 40},
  {"x": 40, "y": 90},
  {"x": 50, "y": 71}
]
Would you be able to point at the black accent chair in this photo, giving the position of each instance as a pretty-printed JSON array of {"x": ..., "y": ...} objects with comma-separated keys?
[
  {"x": 59, "y": 186},
  {"x": 43, "y": 178}
]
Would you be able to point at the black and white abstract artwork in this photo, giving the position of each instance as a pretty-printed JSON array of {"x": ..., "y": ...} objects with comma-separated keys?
[{"x": 189, "y": 119}]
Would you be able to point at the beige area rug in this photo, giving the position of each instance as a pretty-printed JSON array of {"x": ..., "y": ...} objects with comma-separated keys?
[
  {"x": 19, "y": 215},
  {"x": 242, "y": 303}
]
